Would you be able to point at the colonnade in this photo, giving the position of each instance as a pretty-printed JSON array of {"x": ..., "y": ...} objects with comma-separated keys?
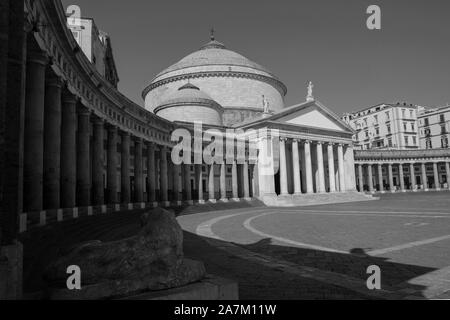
[
  {"x": 403, "y": 176},
  {"x": 308, "y": 167},
  {"x": 73, "y": 158}
]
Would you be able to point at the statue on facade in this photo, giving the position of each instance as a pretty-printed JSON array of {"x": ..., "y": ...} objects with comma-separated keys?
[
  {"x": 265, "y": 105},
  {"x": 310, "y": 96}
]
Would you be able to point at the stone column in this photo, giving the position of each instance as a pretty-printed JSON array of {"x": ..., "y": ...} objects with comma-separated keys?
[
  {"x": 283, "y": 168},
  {"x": 447, "y": 172},
  {"x": 83, "y": 158},
  {"x": 52, "y": 143},
  {"x": 34, "y": 131},
  {"x": 331, "y": 176},
  {"x": 341, "y": 168},
  {"x": 370, "y": 177},
  {"x": 437, "y": 184},
  {"x": 68, "y": 151},
  {"x": 246, "y": 181},
  {"x": 413, "y": 176},
  {"x": 211, "y": 189},
  {"x": 125, "y": 168},
  {"x": 151, "y": 168},
  {"x": 391, "y": 178},
  {"x": 360, "y": 178},
  {"x": 112, "y": 166},
  {"x": 319, "y": 151},
  {"x": 177, "y": 184},
  {"x": 235, "y": 181},
  {"x": 424, "y": 177},
  {"x": 223, "y": 182},
  {"x": 402, "y": 178},
  {"x": 308, "y": 167},
  {"x": 138, "y": 172},
  {"x": 380, "y": 177},
  {"x": 164, "y": 177},
  {"x": 187, "y": 184},
  {"x": 98, "y": 188},
  {"x": 199, "y": 178},
  {"x": 296, "y": 164}
]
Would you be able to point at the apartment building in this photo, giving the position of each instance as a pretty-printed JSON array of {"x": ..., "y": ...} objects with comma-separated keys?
[
  {"x": 385, "y": 126},
  {"x": 434, "y": 126}
]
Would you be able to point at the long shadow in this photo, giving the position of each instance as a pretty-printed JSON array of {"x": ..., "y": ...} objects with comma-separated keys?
[
  {"x": 255, "y": 280},
  {"x": 260, "y": 282}
]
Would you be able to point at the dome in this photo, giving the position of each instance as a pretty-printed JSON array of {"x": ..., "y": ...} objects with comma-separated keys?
[
  {"x": 213, "y": 53},
  {"x": 190, "y": 104},
  {"x": 188, "y": 94},
  {"x": 226, "y": 78}
]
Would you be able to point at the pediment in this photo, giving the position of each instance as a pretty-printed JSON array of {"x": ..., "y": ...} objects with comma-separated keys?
[{"x": 312, "y": 115}]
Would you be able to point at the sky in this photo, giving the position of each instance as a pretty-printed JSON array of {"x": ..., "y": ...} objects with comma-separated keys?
[{"x": 323, "y": 41}]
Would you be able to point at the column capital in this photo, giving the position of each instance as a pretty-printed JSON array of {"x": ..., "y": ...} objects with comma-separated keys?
[
  {"x": 83, "y": 111},
  {"x": 98, "y": 122},
  {"x": 306, "y": 141},
  {"x": 53, "y": 80},
  {"x": 283, "y": 139},
  {"x": 37, "y": 56},
  {"x": 124, "y": 133},
  {"x": 111, "y": 128},
  {"x": 137, "y": 139},
  {"x": 69, "y": 97},
  {"x": 319, "y": 142}
]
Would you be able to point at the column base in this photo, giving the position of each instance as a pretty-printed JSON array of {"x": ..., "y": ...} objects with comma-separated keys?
[
  {"x": 155, "y": 204},
  {"x": 403, "y": 190},
  {"x": 130, "y": 206},
  {"x": 11, "y": 271},
  {"x": 437, "y": 189},
  {"x": 104, "y": 209},
  {"x": 300, "y": 194},
  {"x": 382, "y": 191},
  {"x": 201, "y": 201},
  {"x": 190, "y": 202},
  {"x": 212, "y": 200},
  {"x": 179, "y": 203},
  {"x": 225, "y": 200},
  {"x": 117, "y": 207},
  {"x": 248, "y": 199},
  {"x": 236, "y": 199}
]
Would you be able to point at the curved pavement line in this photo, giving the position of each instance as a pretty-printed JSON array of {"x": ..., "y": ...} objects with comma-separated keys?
[
  {"x": 205, "y": 228},
  {"x": 247, "y": 225}
]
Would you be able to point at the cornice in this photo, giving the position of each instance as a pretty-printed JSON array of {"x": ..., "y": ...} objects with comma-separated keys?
[{"x": 222, "y": 74}]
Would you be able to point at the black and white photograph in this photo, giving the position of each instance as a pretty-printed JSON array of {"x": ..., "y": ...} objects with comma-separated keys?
[{"x": 224, "y": 158}]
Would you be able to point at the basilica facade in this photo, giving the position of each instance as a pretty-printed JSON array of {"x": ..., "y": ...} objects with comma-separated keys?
[{"x": 307, "y": 147}]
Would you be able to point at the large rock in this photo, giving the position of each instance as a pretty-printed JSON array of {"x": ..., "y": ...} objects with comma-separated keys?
[{"x": 151, "y": 260}]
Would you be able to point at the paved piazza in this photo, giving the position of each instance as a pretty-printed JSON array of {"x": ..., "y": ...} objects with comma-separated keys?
[{"x": 328, "y": 248}]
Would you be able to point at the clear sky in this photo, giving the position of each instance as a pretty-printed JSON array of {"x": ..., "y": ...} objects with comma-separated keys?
[{"x": 325, "y": 41}]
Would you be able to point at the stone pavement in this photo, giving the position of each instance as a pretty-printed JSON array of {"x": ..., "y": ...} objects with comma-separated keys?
[
  {"x": 319, "y": 252},
  {"x": 407, "y": 236}
]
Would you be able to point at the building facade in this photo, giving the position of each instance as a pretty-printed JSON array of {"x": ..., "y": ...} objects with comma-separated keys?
[
  {"x": 96, "y": 45},
  {"x": 434, "y": 128},
  {"x": 385, "y": 126}
]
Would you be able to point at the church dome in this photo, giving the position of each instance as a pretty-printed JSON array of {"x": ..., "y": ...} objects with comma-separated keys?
[
  {"x": 233, "y": 81},
  {"x": 190, "y": 104},
  {"x": 213, "y": 53}
]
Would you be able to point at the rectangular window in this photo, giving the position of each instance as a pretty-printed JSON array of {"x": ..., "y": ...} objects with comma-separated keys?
[
  {"x": 443, "y": 130},
  {"x": 444, "y": 142},
  {"x": 390, "y": 143},
  {"x": 442, "y": 117},
  {"x": 427, "y": 122},
  {"x": 388, "y": 115},
  {"x": 405, "y": 126},
  {"x": 377, "y": 131},
  {"x": 429, "y": 144},
  {"x": 414, "y": 140},
  {"x": 403, "y": 113},
  {"x": 389, "y": 129},
  {"x": 406, "y": 141}
]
